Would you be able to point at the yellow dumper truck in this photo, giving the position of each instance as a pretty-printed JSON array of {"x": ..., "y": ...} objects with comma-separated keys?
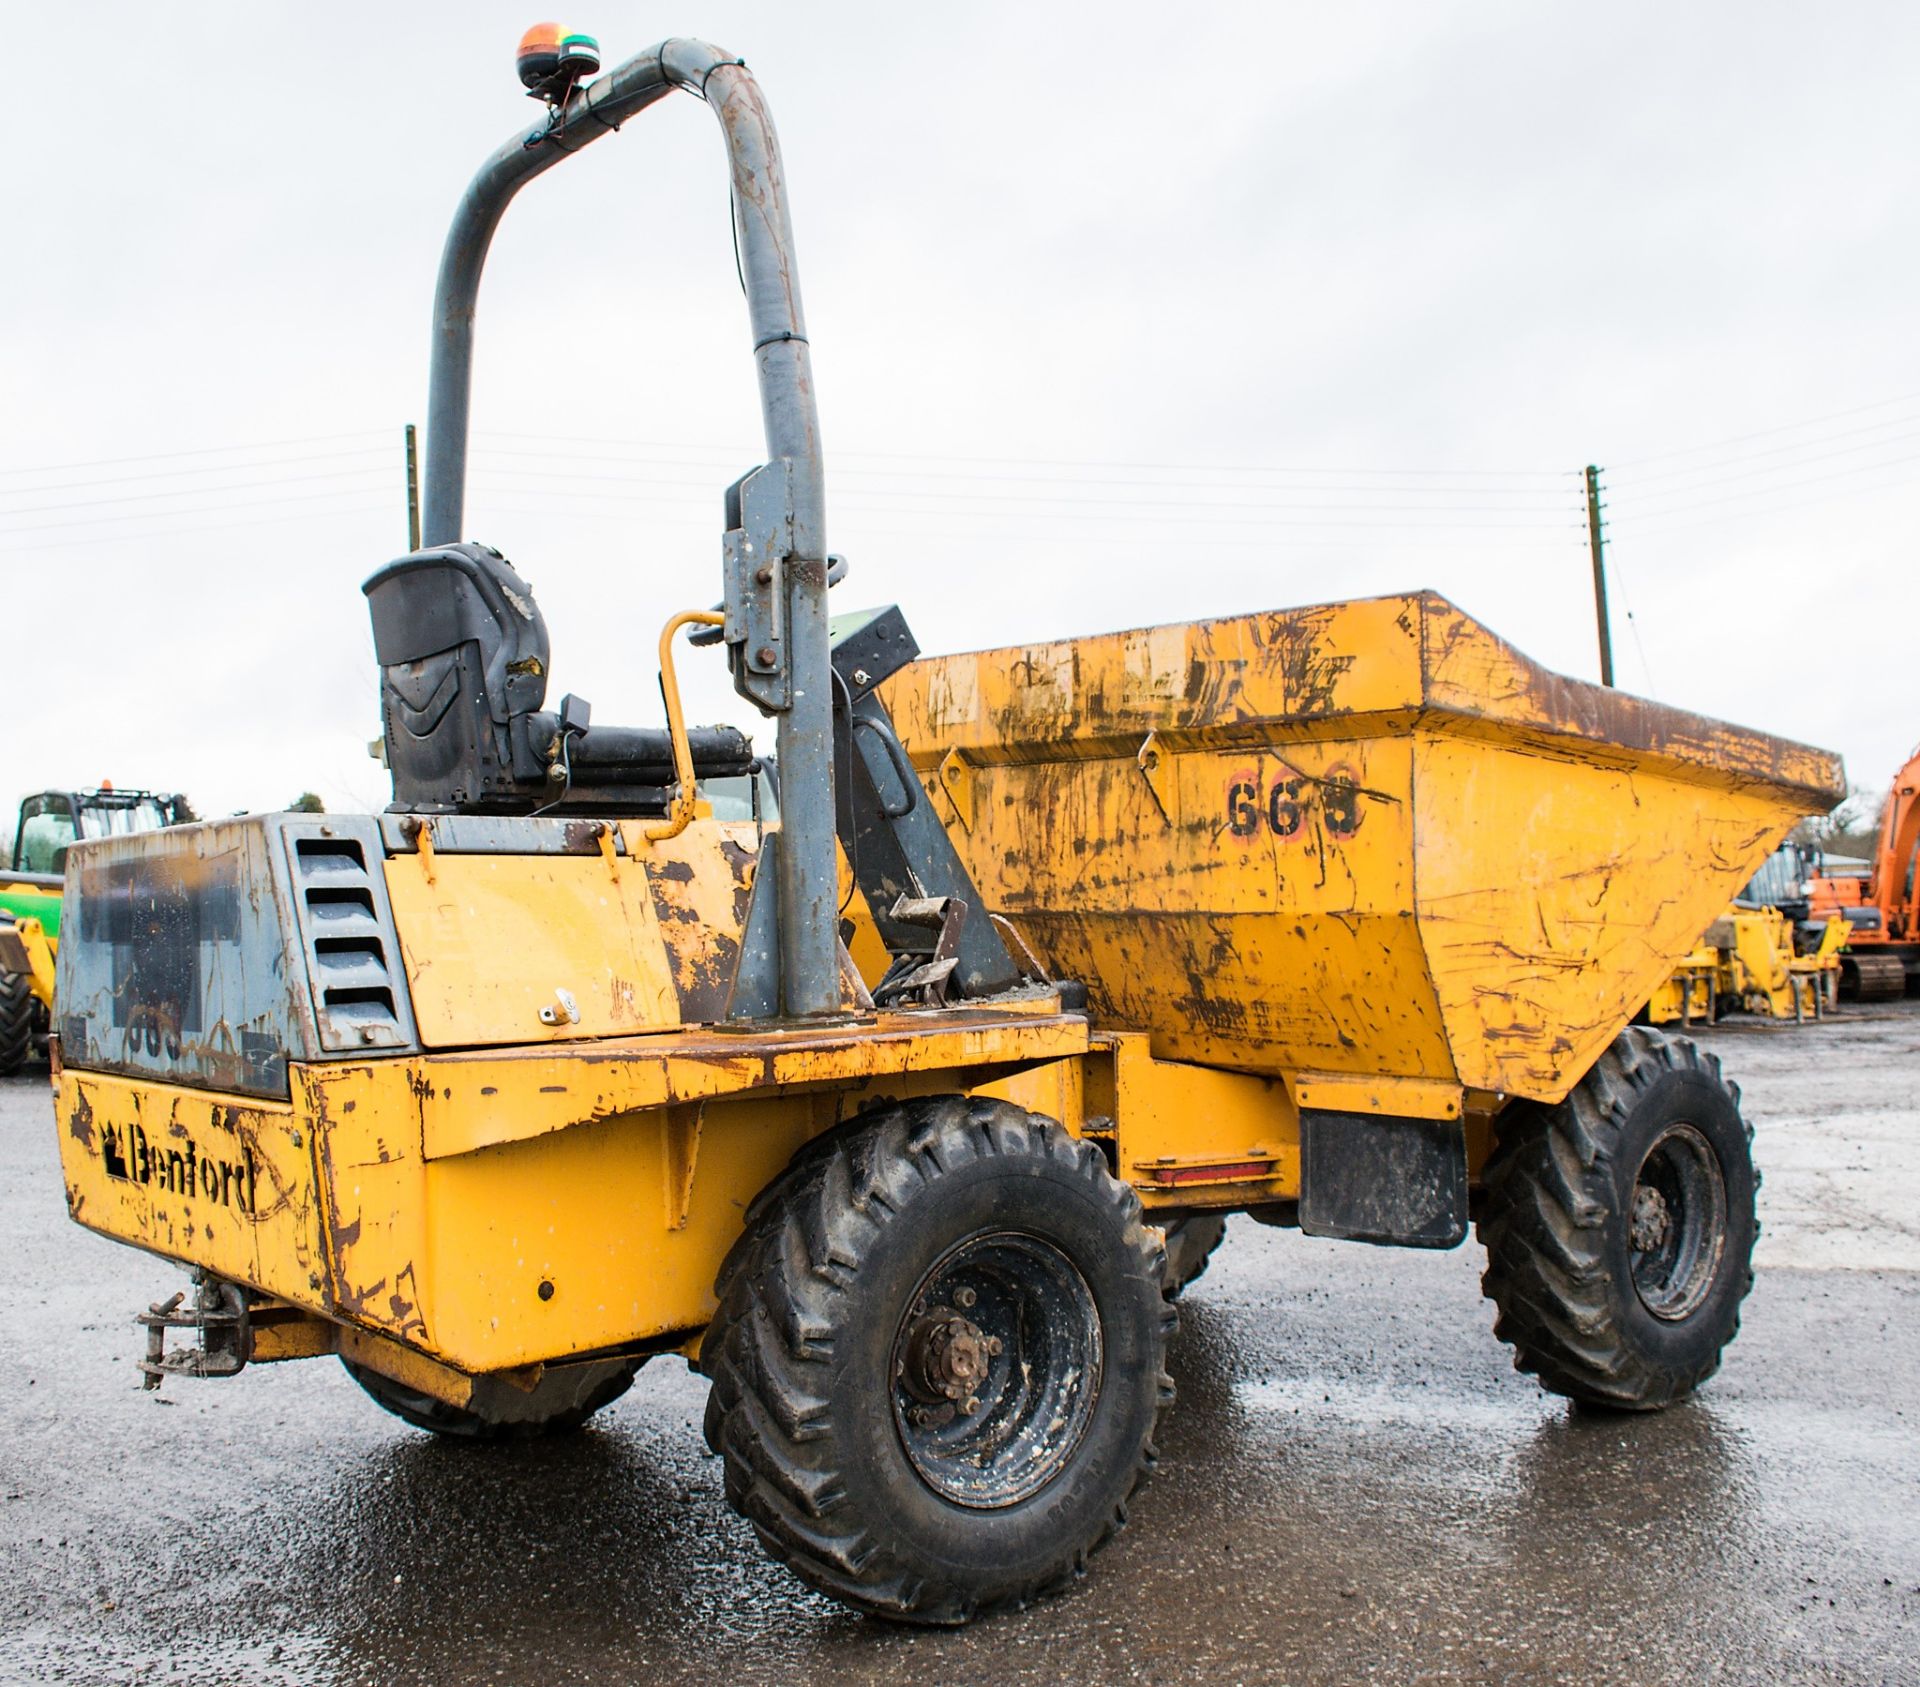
[{"x": 1336, "y": 916}]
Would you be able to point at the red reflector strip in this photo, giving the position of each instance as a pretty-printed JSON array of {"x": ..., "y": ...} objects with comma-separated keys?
[{"x": 1224, "y": 1172}]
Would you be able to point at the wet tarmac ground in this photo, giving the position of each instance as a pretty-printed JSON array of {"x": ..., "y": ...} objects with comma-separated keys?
[{"x": 1355, "y": 1485}]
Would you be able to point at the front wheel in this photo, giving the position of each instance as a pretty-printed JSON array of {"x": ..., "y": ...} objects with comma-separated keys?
[
  {"x": 1619, "y": 1226},
  {"x": 939, "y": 1359},
  {"x": 16, "y": 1021}
]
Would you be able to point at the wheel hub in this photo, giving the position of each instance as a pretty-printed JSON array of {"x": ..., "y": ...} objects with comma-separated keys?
[
  {"x": 996, "y": 1367},
  {"x": 947, "y": 1358},
  {"x": 1677, "y": 1223}
]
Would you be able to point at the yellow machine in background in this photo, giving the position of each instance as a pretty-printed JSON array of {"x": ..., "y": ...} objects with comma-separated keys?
[
  {"x": 1333, "y": 915},
  {"x": 1746, "y": 962},
  {"x": 26, "y": 968}
]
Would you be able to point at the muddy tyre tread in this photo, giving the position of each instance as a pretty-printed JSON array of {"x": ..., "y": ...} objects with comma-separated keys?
[
  {"x": 456, "y": 1423},
  {"x": 783, "y": 1291},
  {"x": 1549, "y": 1199},
  {"x": 16, "y": 1021}
]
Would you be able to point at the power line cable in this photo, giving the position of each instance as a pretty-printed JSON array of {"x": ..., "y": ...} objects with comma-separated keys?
[
  {"x": 177, "y": 473},
  {"x": 1049, "y": 462},
  {"x": 1779, "y": 451},
  {"x": 1194, "y": 520},
  {"x": 147, "y": 536},
  {"x": 499, "y": 462},
  {"x": 1197, "y": 514},
  {"x": 153, "y": 515},
  {"x": 1781, "y": 468},
  {"x": 1782, "y": 486},
  {"x": 1767, "y": 433},
  {"x": 1745, "y": 508},
  {"x": 190, "y": 492},
  {"x": 1118, "y": 506},
  {"x": 205, "y": 451}
]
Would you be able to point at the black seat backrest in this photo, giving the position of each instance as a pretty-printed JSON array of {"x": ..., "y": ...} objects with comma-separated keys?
[{"x": 463, "y": 655}]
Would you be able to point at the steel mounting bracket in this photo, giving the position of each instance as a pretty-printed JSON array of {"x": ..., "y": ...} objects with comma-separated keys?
[{"x": 754, "y": 556}]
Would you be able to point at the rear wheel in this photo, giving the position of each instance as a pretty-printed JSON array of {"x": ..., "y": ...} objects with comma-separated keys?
[
  {"x": 1190, "y": 1248},
  {"x": 1619, "y": 1226},
  {"x": 563, "y": 1399},
  {"x": 16, "y": 1021},
  {"x": 939, "y": 1359}
]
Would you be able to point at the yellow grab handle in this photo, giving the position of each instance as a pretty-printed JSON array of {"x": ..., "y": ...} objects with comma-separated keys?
[{"x": 681, "y": 811}]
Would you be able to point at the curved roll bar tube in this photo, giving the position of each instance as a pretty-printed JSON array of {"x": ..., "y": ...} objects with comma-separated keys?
[{"x": 809, "y": 938}]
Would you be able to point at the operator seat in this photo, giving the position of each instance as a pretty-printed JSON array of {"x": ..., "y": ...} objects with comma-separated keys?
[{"x": 463, "y": 656}]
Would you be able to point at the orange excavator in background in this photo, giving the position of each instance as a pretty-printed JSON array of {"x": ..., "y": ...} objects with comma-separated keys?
[{"x": 1882, "y": 911}]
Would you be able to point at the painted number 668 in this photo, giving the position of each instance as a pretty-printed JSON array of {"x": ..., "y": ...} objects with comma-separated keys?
[{"x": 1283, "y": 805}]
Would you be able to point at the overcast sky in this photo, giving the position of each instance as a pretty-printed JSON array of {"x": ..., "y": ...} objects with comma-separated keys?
[{"x": 1120, "y": 314}]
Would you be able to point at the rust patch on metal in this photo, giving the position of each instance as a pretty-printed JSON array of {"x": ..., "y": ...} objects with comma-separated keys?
[
  {"x": 703, "y": 953},
  {"x": 80, "y": 1122}
]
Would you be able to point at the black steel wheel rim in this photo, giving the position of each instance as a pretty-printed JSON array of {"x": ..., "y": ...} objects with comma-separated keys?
[
  {"x": 1677, "y": 1223},
  {"x": 996, "y": 1368}
]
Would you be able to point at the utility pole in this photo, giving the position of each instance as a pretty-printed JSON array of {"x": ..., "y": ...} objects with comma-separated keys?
[
  {"x": 1597, "y": 537},
  {"x": 413, "y": 493}
]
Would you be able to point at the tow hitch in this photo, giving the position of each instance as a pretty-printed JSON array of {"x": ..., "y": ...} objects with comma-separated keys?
[{"x": 219, "y": 1313}]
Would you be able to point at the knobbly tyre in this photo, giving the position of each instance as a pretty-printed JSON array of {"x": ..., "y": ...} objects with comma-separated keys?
[{"x": 1335, "y": 916}]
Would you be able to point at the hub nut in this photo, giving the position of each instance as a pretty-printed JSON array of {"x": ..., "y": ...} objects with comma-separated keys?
[{"x": 1651, "y": 1220}]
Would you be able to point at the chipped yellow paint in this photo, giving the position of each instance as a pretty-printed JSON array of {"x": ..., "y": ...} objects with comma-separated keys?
[
  {"x": 1377, "y": 841},
  {"x": 223, "y": 1181},
  {"x": 468, "y": 1101},
  {"x": 1548, "y": 925},
  {"x": 393, "y": 1216},
  {"x": 956, "y": 785},
  {"x": 278, "y": 1333},
  {"x": 701, "y": 881},
  {"x": 406, "y": 1366},
  {"x": 624, "y": 1202}
]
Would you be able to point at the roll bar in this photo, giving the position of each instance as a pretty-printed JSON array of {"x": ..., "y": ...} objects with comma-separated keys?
[{"x": 786, "y": 672}]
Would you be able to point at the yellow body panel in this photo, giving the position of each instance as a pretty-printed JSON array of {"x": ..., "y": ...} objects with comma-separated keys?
[
  {"x": 596, "y": 1217},
  {"x": 491, "y": 940},
  {"x": 1191, "y": 1136},
  {"x": 1555, "y": 895},
  {"x": 1404, "y": 1098},
  {"x": 1690, "y": 994},
  {"x": 221, "y": 1181},
  {"x": 1361, "y": 840}
]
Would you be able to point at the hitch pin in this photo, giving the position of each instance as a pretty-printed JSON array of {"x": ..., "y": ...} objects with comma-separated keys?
[{"x": 156, "y": 1321}]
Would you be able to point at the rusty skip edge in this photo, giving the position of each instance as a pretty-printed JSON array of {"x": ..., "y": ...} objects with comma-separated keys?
[{"x": 1468, "y": 679}]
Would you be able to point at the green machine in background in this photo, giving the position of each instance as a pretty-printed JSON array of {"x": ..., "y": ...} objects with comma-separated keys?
[{"x": 30, "y": 897}]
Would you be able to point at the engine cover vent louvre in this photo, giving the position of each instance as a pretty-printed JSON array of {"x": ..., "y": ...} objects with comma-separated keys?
[{"x": 352, "y": 952}]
